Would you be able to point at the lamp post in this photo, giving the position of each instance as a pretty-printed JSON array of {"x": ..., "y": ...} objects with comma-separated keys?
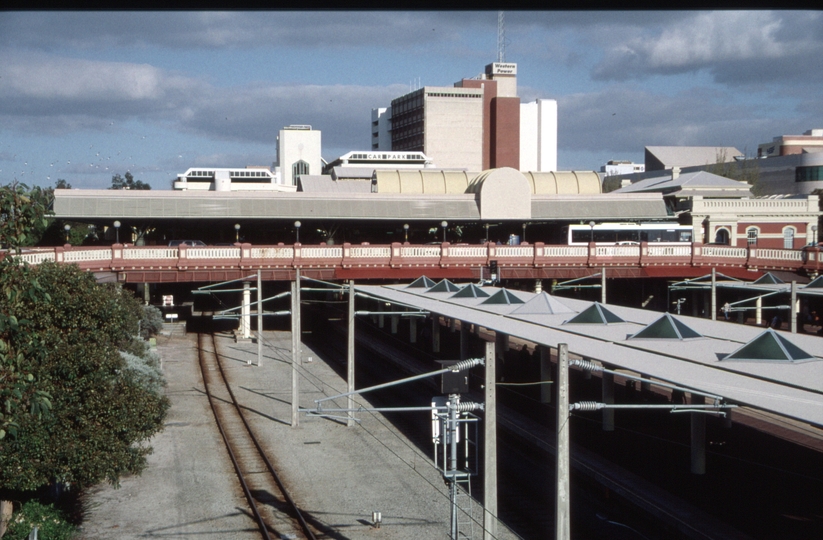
[
  {"x": 406, "y": 231},
  {"x": 814, "y": 234},
  {"x": 591, "y": 225},
  {"x": 117, "y": 231},
  {"x": 237, "y": 233},
  {"x": 523, "y": 236},
  {"x": 297, "y": 232},
  {"x": 444, "y": 224},
  {"x": 67, "y": 228}
]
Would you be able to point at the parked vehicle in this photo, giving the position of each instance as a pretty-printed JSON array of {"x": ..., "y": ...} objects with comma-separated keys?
[{"x": 190, "y": 243}]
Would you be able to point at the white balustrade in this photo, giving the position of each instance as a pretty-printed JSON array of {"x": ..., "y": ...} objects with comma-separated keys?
[
  {"x": 724, "y": 251},
  {"x": 565, "y": 251},
  {"x": 272, "y": 253},
  {"x": 222, "y": 252},
  {"x": 87, "y": 255},
  {"x": 370, "y": 252},
  {"x": 323, "y": 252},
  {"x": 617, "y": 251},
  {"x": 142, "y": 253},
  {"x": 670, "y": 251},
  {"x": 779, "y": 254},
  {"x": 420, "y": 251},
  {"x": 468, "y": 251},
  {"x": 36, "y": 258},
  {"x": 514, "y": 251}
]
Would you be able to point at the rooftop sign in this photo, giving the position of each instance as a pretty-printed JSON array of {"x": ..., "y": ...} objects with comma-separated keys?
[{"x": 499, "y": 68}]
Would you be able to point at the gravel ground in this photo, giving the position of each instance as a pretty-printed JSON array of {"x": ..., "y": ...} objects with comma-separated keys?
[{"x": 337, "y": 475}]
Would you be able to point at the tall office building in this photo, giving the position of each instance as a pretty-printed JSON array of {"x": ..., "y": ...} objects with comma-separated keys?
[{"x": 477, "y": 124}]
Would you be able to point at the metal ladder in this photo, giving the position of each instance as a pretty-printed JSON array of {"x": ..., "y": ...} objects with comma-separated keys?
[{"x": 465, "y": 507}]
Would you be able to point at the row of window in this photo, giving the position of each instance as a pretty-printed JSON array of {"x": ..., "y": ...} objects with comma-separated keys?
[
  {"x": 234, "y": 174},
  {"x": 808, "y": 174},
  {"x": 449, "y": 94},
  {"x": 722, "y": 236}
]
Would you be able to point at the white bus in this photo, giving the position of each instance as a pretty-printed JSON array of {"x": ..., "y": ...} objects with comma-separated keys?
[{"x": 627, "y": 233}]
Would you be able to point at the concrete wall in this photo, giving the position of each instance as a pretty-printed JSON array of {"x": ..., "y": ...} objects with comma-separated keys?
[
  {"x": 505, "y": 138},
  {"x": 538, "y": 136},
  {"x": 294, "y": 145},
  {"x": 453, "y": 135}
]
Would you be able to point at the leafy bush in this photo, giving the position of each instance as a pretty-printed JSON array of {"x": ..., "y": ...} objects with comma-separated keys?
[
  {"x": 145, "y": 371},
  {"x": 50, "y": 522},
  {"x": 152, "y": 322}
]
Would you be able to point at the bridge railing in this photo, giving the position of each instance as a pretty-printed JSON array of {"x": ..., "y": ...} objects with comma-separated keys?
[{"x": 397, "y": 255}]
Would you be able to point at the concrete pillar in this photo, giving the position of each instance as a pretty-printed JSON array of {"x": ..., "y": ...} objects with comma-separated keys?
[
  {"x": 452, "y": 325},
  {"x": 545, "y": 374},
  {"x": 259, "y": 318},
  {"x": 350, "y": 358},
  {"x": 758, "y": 312},
  {"x": 603, "y": 285},
  {"x": 538, "y": 286},
  {"x": 464, "y": 340},
  {"x": 412, "y": 329},
  {"x": 698, "y": 436},
  {"x": 296, "y": 353},
  {"x": 490, "y": 446},
  {"x": 608, "y": 397},
  {"x": 713, "y": 308},
  {"x": 245, "y": 312},
  {"x": 562, "y": 514},
  {"x": 794, "y": 307},
  {"x": 395, "y": 319},
  {"x": 435, "y": 333}
]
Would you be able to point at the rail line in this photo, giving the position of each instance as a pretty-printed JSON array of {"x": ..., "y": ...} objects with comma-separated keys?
[{"x": 284, "y": 519}]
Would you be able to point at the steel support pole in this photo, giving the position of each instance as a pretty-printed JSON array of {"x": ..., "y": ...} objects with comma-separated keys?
[
  {"x": 490, "y": 446},
  {"x": 793, "y": 309},
  {"x": 562, "y": 514},
  {"x": 714, "y": 294},
  {"x": 607, "y": 382},
  {"x": 350, "y": 358},
  {"x": 245, "y": 311},
  {"x": 454, "y": 401},
  {"x": 395, "y": 319},
  {"x": 259, "y": 318},
  {"x": 603, "y": 285},
  {"x": 295, "y": 348},
  {"x": 545, "y": 374},
  {"x": 698, "y": 438}
]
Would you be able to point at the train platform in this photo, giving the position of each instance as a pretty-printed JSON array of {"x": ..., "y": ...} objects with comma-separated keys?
[{"x": 338, "y": 475}]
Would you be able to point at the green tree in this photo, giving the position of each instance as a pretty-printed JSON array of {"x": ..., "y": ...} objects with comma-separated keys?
[
  {"x": 118, "y": 182},
  {"x": 103, "y": 410},
  {"x": 23, "y": 215},
  {"x": 62, "y": 184}
]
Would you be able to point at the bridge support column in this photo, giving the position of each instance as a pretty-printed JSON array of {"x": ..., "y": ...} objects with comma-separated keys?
[
  {"x": 608, "y": 397},
  {"x": 603, "y": 285},
  {"x": 464, "y": 340},
  {"x": 395, "y": 319},
  {"x": 413, "y": 330},
  {"x": 538, "y": 286},
  {"x": 296, "y": 352},
  {"x": 758, "y": 312},
  {"x": 245, "y": 312},
  {"x": 490, "y": 446},
  {"x": 794, "y": 306},
  {"x": 435, "y": 333},
  {"x": 713, "y": 308},
  {"x": 545, "y": 374},
  {"x": 350, "y": 358},
  {"x": 259, "y": 318},
  {"x": 698, "y": 436}
]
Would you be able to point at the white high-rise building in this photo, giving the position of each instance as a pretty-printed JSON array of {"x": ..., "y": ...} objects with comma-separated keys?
[{"x": 538, "y": 136}]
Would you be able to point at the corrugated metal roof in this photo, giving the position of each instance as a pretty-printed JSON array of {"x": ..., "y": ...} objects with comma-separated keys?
[{"x": 793, "y": 390}]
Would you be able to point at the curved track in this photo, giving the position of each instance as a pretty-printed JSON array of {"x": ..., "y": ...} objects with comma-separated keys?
[{"x": 274, "y": 510}]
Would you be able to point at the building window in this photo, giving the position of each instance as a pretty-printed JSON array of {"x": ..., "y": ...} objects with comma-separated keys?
[
  {"x": 751, "y": 236},
  {"x": 788, "y": 238},
  {"x": 808, "y": 174},
  {"x": 299, "y": 168}
]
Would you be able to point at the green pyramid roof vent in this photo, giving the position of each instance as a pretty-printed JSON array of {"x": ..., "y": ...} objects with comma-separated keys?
[
  {"x": 444, "y": 286},
  {"x": 768, "y": 279},
  {"x": 666, "y": 327},
  {"x": 817, "y": 283},
  {"x": 595, "y": 314},
  {"x": 543, "y": 304},
  {"x": 770, "y": 347},
  {"x": 470, "y": 291},
  {"x": 504, "y": 297},
  {"x": 421, "y": 283}
]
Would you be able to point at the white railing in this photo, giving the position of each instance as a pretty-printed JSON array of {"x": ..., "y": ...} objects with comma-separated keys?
[
  {"x": 514, "y": 251},
  {"x": 420, "y": 251},
  {"x": 779, "y": 254},
  {"x": 370, "y": 252},
  {"x": 272, "y": 253},
  {"x": 326, "y": 252},
  {"x": 87, "y": 255},
  {"x": 36, "y": 258},
  {"x": 565, "y": 251},
  {"x": 148, "y": 253},
  {"x": 725, "y": 252},
  {"x": 670, "y": 251},
  {"x": 213, "y": 253},
  {"x": 617, "y": 251},
  {"x": 468, "y": 251}
]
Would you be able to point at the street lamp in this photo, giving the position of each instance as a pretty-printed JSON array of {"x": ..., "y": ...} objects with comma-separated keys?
[
  {"x": 406, "y": 231},
  {"x": 444, "y": 224},
  {"x": 237, "y": 232},
  {"x": 523, "y": 236},
  {"x": 117, "y": 230},
  {"x": 297, "y": 231},
  {"x": 67, "y": 228},
  {"x": 591, "y": 224}
]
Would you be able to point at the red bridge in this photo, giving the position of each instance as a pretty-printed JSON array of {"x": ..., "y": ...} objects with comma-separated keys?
[{"x": 155, "y": 264}]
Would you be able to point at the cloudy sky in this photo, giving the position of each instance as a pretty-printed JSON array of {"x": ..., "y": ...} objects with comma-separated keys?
[{"x": 86, "y": 95}]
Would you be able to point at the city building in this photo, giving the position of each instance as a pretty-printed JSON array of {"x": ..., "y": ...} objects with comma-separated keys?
[
  {"x": 477, "y": 124},
  {"x": 298, "y": 152},
  {"x": 662, "y": 158},
  {"x": 810, "y": 142},
  {"x": 251, "y": 178},
  {"x": 614, "y": 167}
]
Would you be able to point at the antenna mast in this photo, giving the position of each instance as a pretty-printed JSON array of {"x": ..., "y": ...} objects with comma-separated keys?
[{"x": 501, "y": 37}]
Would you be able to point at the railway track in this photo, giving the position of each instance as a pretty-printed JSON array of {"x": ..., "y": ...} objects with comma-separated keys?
[{"x": 274, "y": 510}]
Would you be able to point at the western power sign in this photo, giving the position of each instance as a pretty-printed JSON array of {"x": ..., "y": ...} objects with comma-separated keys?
[{"x": 499, "y": 68}]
